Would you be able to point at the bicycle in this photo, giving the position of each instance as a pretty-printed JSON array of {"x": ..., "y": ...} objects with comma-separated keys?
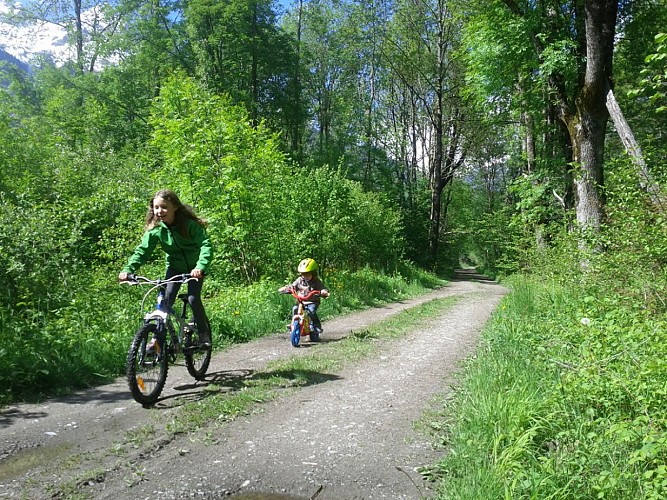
[
  {"x": 147, "y": 365},
  {"x": 301, "y": 325}
]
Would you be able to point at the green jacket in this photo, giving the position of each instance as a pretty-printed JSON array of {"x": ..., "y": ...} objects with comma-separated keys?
[{"x": 183, "y": 254}]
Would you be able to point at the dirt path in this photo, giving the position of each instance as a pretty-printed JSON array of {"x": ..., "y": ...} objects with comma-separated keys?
[{"x": 350, "y": 437}]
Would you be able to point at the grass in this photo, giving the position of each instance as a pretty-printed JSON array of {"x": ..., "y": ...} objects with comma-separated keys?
[{"x": 565, "y": 399}]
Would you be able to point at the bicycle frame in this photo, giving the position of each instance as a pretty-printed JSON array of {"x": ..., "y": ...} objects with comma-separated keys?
[
  {"x": 164, "y": 318},
  {"x": 301, "y": 318},
  {"x": 147, "y": 362}
]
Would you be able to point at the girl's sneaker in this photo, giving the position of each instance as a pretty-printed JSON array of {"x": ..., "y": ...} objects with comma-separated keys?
[
  {"x": 153, "y": 346},
  {"x": 204, "y": 340}
]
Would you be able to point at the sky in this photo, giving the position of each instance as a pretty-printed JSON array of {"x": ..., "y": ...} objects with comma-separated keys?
[{"x": 22, "y": 43}]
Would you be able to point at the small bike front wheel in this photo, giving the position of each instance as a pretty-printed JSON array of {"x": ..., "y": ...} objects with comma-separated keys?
[
  {"x": 197, "y": 356},
  {"x": 295, "y": 333},
  {"x": 146, "y": 368}
]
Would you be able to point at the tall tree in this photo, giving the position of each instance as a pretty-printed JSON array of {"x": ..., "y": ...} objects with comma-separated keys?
[
  {"x": 327, "y": 37},
  {"x": 424, "y": 38},
  {"x": 240, "y": 51},
  {"x": 581, "y": 104},
  {"x": 295, "y": 121}
]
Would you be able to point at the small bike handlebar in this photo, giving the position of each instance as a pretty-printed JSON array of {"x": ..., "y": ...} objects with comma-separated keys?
[{"x": 303, "y": 298}]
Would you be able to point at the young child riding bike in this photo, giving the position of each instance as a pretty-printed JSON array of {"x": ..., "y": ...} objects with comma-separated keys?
[
  {"x": 304, "y": 284},
  {"x": 182, "y": 235}
]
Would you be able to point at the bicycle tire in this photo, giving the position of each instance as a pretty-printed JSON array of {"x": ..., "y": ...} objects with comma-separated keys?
[
  {"x": 197, "y": 358},
  {"x": 295, "y": 333},
  {"x": 146, "y": 372}
]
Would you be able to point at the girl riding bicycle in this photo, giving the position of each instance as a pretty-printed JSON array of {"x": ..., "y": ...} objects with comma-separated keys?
[
  {"x": 182, "y": 236},
  {"x": 304, "y": 284}
]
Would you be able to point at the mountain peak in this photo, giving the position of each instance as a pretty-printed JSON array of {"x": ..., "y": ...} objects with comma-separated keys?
[{"x": 25, "y": 42}]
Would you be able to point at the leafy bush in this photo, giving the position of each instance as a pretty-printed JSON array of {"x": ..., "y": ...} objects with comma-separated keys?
[{"x": 265, "y": 215}]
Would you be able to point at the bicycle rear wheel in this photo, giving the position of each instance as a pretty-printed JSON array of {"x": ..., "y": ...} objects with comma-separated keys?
[
  {"x": 146, "y": 371},
  {"x": 197, "y": 357}
]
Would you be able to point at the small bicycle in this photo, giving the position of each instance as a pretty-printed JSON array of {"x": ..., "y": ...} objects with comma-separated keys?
[
  {"x": 147, "y": 364},
  {"x": 301, "y": 325}
]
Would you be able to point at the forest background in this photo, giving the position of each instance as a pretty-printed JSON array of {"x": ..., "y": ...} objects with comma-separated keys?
[{"x": 392, "y": 141}]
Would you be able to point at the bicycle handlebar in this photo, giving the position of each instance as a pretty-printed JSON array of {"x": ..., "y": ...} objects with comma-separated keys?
[
  {"x": 303, "y": 298},
  {"x": 155, "y": 284},
  {"x": 135, "y": 279}
]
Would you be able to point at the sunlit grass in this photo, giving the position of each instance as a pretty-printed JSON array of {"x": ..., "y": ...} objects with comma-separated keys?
[{"x": 563, "y": 400}]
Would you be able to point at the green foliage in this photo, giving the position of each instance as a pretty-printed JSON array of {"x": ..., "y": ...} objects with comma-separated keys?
[
  {"x": 232, "y": 172},
  {"x": 240, "y": 52},
  {"x": 264, "y": 214},
  {"x": 495, "y": 47},
  {"x": 341, "y": 225},
  {"x": 498, "y": 245},
  {"x": 639, "y": 68},
  {"x": 577, "y": 356},
  {"x": 654, "y": 76},
  {"x": 72, "y": 212}
]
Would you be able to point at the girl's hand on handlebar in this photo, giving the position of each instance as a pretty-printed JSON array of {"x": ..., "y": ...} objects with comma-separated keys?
[
  {"x": 324, "y": 293},
  {"x": 122, "y": 277},
  {"x": 197, "y": 273}
]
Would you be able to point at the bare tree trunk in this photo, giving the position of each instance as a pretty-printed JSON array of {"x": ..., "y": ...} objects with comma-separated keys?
[
  {"x": 529, "y": 141},
  {"x": 296, "y": 132},
  {"x": 78, "y": 33},
  {"x": 369, "y": 121},
  {"x": 646, "y": 181},
  {"x": 587, "y": 131},
  {"x": 436, "y": 181}
]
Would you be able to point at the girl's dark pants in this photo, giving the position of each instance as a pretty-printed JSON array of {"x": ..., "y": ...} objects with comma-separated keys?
[{"x": 194, "y": 297}]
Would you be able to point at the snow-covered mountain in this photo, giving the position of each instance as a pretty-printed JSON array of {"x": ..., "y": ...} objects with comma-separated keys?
[
  {"x": 26, "y": 42},
  {"x": 6, "y": 57}
]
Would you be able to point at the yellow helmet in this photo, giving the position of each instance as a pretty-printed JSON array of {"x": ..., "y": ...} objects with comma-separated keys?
[{"x": 307, "y": 266}]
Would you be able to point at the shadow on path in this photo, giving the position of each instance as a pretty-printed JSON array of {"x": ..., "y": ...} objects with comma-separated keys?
[{"x": 471, "y": 275}]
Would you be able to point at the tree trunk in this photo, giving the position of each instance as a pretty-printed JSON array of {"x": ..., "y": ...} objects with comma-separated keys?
[
  {"x": 296, "y": 89},
  {"x": 587, "y": 128},
  {"x": 436, "y": 183},
  {"x": 78, "y": 34},
  {"x": 254, "y": 79},
  {"x": 646, "y": 181},
  {"x": 528, "y": 141}
]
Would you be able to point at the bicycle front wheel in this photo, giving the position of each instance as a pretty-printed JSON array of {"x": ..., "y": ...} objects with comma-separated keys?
[
  {"x": 295, "y": 334},
  {"x": 146, "y": 368},
  {"x": 197, "y": 356}
]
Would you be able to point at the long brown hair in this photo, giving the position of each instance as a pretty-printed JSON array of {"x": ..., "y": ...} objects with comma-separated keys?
[{"x": 182, "y": 212}]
